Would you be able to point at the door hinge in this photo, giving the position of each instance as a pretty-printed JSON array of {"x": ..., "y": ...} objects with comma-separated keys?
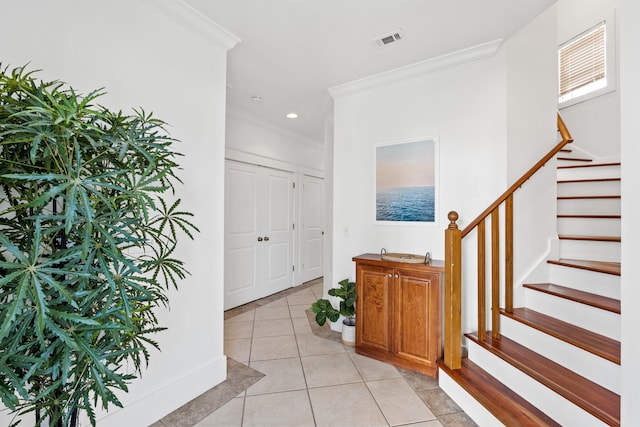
[
  {"x": 294, "y": 226},
  {"x": 294, "y": 184},
  {"x": 293, "y": 268}
]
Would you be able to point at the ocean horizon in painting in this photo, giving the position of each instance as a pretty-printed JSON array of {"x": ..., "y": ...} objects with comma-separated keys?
[{"x": 412, "y": 204}]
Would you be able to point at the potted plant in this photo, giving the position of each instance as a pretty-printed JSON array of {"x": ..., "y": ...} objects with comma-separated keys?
[
  {"x": 88, "y": 228},
  {"x": 324, "y": 310}
]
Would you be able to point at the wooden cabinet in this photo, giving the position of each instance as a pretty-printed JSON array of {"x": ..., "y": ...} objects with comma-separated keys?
[{"x": 398, "y": 312}]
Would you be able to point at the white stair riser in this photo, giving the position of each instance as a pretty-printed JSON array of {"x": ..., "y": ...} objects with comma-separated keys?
[
  {"x": 591, "y": 188},
  {"x": 607, "y": 285},
  {"x": 589, "y": 226},
  {"x": 600, "y": 321},
  {"x": 466, "y": 402},
  {"x": 589, "y": 207},
  {"x": 588, "y": 365},
  {"x": 590, "y": 250},
  {"x": 591, "y": 172},
  {"x": 557, "y": 407}
]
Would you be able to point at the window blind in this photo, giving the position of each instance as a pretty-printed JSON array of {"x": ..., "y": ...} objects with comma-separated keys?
[{"x": 582, "y": 61}]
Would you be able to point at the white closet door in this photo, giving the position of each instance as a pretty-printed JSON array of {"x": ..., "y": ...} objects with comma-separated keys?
[
  {"x": 313, "y": 226},
  {"x": 258, "y": 236}
]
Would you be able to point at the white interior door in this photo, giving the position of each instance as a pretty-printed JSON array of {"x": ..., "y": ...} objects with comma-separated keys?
[
  {"x": 258, "y": 237},
  {"x": 313, "y": 225}
]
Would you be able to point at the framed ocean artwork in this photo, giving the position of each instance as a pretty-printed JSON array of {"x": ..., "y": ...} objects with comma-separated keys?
[{"x": 406, "y": 182}]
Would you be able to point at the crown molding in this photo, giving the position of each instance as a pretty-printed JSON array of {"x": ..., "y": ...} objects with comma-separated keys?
[
  {"x": 258, "y": 121},
  {"x": 481, "y": 51},
  {"x": 196, "y": 21}
]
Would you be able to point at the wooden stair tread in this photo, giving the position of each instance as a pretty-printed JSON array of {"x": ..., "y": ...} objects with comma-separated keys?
[
  {"x": 591, "y": 216},
  {"x": 566, "y": 150},
  {"x": 585, "y": 339},
  {"x": 593, "y": 398},
  {"x": 586, "y": 298},
  {"x": 593, "y": 165},
  {"x": 568, "y": 181},
  {"x": 597, "y": 266},
  {"x": 591, "y": 238},
  {"x": 612, "y": 196},
  {"x": 575, "y": 159},
  {"x": 507, "y": 406}
]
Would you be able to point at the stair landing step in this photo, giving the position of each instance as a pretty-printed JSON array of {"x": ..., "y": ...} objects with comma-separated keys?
[
  {"x": 585, "y": 339},
  {"x": 593, "y": 165},
  {"x": 506, "y": 405},
  {"x": 569, "y": 181},
  {"x": 592, "y": 238},
  {"x": 591, "y": 397},
  {"x": 591, "y": 216},
  {"x": 597, "y": 266},
  {"x": 614, "y": 196},
  {"x": 575, "y": 159}
]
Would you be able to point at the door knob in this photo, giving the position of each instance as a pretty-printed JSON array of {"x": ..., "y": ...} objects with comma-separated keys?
[
  {"x": 266, "y": 238},
  {"x": 259, "y": 239}
]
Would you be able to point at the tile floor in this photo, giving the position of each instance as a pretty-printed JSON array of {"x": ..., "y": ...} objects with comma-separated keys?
[{"x": 284, "y": 370}]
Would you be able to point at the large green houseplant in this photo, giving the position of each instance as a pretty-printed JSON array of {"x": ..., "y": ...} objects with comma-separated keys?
[{"x": 88, "y": 227}]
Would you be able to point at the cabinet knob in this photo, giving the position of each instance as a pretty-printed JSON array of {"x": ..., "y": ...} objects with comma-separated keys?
[
  {"x": 389, "y": 274},
  {"x": 266, "y": 238},
  {"x": 259, "y": 239},
  {"x": 396, "y": 276}
]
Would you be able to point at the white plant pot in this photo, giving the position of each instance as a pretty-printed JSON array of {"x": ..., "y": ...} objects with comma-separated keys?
[{"x": 348, "y": 333}]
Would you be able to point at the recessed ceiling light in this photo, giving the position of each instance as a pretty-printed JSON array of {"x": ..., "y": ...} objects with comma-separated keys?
[
  {"x": 292, "y": 116},
  {"x": 256, "y": 99}
]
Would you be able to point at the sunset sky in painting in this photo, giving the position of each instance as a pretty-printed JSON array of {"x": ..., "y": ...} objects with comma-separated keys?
[{"x": 410, "y": 164}]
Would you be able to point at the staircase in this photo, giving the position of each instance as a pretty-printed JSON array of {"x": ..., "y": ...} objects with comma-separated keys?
[{"x": 556, "y": 360}]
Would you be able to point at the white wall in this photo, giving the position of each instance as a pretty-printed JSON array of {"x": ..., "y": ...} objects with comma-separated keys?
[
  {"x": 630, "y": 149},
  {"x": 532, "y": 72},
  {"x": 463, "y": 106},
  {"x": 594, "y": 123},
  {"x": 145, "y": 58}
]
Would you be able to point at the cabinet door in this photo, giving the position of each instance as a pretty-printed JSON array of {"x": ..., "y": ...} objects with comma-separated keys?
[
  {"x": 373, "y": 322},
  {"x": 416, "y": 318}
]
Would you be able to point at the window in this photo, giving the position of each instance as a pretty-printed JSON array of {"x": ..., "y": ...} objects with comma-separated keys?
[{"x": 584, "y": 65}]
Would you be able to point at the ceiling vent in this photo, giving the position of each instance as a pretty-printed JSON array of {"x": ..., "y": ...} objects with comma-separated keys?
[{"x": 389, "y": 38}]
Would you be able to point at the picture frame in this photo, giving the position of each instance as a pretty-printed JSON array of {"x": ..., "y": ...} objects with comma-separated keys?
[{"x": 406, "y": 182}]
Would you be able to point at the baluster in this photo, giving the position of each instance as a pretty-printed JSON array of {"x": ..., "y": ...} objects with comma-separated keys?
[
  {"x": 482, "y": 279},
  {"x": 508, "y": 255},
  {"x": 495, "y": 273},
  {"x": 453, "y": 294}
]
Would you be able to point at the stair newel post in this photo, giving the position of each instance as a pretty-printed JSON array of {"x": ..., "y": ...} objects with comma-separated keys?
[
  {"x": 453, "y": 294},
  {"x": 495, "y": 273}
]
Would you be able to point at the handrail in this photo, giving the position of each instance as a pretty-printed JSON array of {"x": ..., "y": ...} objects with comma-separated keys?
[
  {"x": 453, "y": 263},
  {"x": 566, "y": 139}
]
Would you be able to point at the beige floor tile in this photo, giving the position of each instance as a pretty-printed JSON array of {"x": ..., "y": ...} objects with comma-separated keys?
[
  {"x": 270, "y": 312},
  {"x": 345, "y": 405},
  {"x": 372, "y": 369},
  {"x": 432, "y": 423},
  {"x": 318, "y": 290},
  {"x": 276, "y": 302},
  {"x": 230, "y": 415},
  {"x": 280, "y": 375},
  {"x": 272, "y": 328},
  {"x": 298, "y": 311},
  {"x": 312, "y": 345},
  {"x": 398, "y": 402},
  {"x": 457, "y": 420},
  {"x": 238, "y": 349},
  {"x": 327, "y": 370},
  {"x": 301, "y": 326},
  {"x": 238, "y": 330},
  {"x": 244, "y": 317},
  {"x": 438, "y": 401},
  {"x": 288, "y": 409},
  {"x": 268, "y": 348},
  {"x": 301, "y": 299}
]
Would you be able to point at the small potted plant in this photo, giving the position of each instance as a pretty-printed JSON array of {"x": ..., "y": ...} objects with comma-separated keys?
[{"x": 324, "y": 310}]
